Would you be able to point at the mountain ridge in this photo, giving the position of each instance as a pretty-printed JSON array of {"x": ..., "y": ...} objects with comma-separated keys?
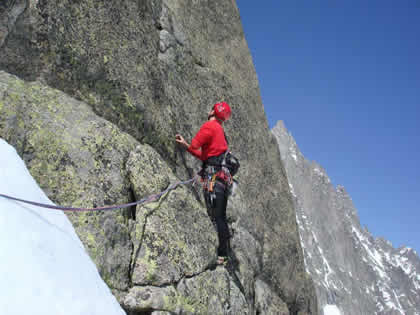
[{"x": 351, "y": 269}]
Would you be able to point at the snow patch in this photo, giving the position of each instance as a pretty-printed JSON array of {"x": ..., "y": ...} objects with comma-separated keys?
[
  {"x": 43, "y": 264},
  {"x": 390, "y": 304},
  {"x": 402, "y": 262},
  {"x": 302, "y": 242},
  {"x": 292, "y": 190},
  {"x": 372, "y": 253},
  {"x": 318, "y": 171},
  {"x": 314, "y": 236},
  {"x": 416, "y": 283},
  {"x": 330, "y": 309},
  {"x": 293, "y": 153},
  {"x": 405, "y": 250}
]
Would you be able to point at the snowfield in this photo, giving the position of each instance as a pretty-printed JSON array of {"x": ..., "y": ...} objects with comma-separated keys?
[{"x": 44, "y": 268}]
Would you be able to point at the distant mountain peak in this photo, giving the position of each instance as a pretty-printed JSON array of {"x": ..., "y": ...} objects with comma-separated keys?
[{"x": 354, "y": 272}]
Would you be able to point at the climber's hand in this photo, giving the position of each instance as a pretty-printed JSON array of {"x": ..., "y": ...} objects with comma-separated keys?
[{"x": 179, "y": 139}]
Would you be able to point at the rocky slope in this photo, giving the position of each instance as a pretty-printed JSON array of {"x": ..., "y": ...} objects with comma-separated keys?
[
  {"x": 91, "y": 97},
  {"x": 351, "y": 269}
]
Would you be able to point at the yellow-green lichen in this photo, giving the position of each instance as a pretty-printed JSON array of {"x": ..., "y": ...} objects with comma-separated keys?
[
  {"x": 150, "y": 264},
  {"x": 92, "y": 245},
  {"x": 186, "y": 303},
  {"x": 128, "y": 101},
  {"x": 78, "y": 159}
]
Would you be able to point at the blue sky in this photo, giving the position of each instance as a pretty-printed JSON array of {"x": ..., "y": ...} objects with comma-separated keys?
[{"x": 345, "y": 79}]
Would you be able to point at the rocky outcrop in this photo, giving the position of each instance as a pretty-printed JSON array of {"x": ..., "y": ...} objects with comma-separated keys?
[
  {"x": 79, "y": 159},
  {"x": 351, "y": 269},
  {"x": 143, "y": 71}
]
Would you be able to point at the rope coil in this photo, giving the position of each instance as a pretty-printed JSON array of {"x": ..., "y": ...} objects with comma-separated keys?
[{"x": 145, "y": 200}]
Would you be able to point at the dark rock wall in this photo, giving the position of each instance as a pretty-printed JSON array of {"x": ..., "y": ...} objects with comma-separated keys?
[{"x": 154, "y": 69}]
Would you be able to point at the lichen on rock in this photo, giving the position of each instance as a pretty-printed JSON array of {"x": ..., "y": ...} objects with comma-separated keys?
[
  {"x": 78, "y": 159},
  {"x": 177, "y": 237},
  {"x": 126, "y": 77}
]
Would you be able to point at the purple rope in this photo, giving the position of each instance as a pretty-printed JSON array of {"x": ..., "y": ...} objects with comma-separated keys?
[{"x": 105, "y": 208}]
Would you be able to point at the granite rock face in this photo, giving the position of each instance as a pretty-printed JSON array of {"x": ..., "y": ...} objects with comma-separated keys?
[
  {"x": 107, "y": 85},
  {"x": 351, "y": 269},
  {"x": 78, "y": 159}
]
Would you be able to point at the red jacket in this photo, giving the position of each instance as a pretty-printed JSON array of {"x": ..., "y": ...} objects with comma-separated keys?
[{"x": 209, "y": 141}]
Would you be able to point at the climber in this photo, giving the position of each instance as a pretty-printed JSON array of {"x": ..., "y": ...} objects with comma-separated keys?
[{"x": 210, "y": 146}]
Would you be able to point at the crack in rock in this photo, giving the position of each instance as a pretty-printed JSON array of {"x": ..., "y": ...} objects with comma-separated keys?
[{"x": 9, "y": 17}]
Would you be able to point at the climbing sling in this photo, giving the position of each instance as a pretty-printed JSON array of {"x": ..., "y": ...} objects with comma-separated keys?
[{"x": 145, "y": 200}]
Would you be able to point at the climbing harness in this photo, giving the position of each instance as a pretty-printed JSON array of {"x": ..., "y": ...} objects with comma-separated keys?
[
  {"x": 216, "y": 171},
  {"x": 220, "y": 168},
  {"x": 148, "y": 199}
]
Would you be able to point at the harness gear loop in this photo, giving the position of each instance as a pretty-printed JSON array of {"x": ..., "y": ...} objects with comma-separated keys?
[{"x": 212, "y": 182}]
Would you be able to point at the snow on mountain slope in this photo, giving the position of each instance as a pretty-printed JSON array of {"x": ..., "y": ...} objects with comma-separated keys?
[
  {"x": 44, "y": 268},
  {"x": 354, "y": 273},
  {"x": 331, "y": 310}
]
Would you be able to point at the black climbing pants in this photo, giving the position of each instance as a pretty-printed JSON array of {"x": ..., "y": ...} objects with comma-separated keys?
[{"x": 216, "y": 207}]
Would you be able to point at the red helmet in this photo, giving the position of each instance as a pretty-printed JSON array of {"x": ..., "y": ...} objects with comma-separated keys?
[{"x": 222, "y": 111}]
